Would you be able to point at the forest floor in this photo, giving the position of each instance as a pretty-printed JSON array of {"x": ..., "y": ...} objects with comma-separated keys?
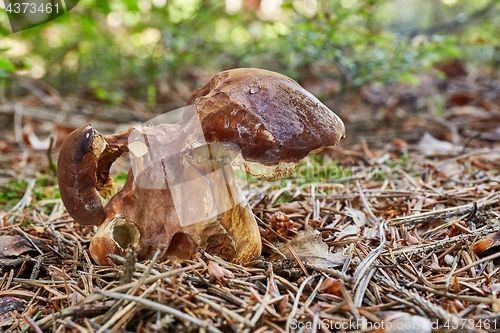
[{"x": 394, "y": 229}]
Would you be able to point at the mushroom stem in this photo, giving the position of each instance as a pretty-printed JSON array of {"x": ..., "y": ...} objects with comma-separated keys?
[{"x": 114, "y": 237}]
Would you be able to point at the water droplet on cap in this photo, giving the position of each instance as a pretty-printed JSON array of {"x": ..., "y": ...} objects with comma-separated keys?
[{"x": 254, "y": 90}]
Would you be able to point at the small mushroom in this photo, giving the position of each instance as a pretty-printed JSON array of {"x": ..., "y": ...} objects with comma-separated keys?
[
  {"x": 182, "y": 192},
  {"x": 83, "y": 172}
]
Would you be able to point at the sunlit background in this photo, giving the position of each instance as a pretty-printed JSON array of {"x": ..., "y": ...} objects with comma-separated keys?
[{"x": 158, "y": 51}]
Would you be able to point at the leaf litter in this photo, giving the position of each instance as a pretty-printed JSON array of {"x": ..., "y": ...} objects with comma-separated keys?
[
  {"x": 404, "y": 233},
  {"x": 380, "y": 248}
]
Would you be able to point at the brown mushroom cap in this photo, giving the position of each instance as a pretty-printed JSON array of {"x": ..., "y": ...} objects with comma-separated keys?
[
  {"x": 83, "y": 172},
  {"x": 269, "y": 116},
  {"x": 77, "y": 166}
]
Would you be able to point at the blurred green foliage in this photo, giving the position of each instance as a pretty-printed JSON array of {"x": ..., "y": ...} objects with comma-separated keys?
[
  {"x": 6, "y": 67},
  {"x": 156, "y": 51},
  {"x": 45, "y": 188}
]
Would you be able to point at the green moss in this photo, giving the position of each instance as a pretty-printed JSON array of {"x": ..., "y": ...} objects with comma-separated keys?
[
  {"x": 402, "y": 161},
  {"x": 315, "y": 170},
  {"x": 12, "y": 190},
  {"x": 284, "y": 198},
  {"x": 45, "y": 188}
]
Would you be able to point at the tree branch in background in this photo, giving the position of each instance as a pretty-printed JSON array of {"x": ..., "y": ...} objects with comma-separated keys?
[{"x": 458, "y": 22}]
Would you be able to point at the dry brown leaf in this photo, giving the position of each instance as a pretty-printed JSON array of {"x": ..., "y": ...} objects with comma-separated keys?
[
  {"x": 217, "y": 272},
  {"x": 411, "y": 240},
  {"x": 429, "y": 145},
  {"x": 461, "y": 98},
  {"x": 358, "y": 217},
  {"x": 455, "y": 230},
  {"x": 11, "y": 246},
  {"x": 487, "y": 242},
  {"x": 283, "y": 306},
  {"x": 331, "y": 286},
  {"x": 452, "y": 67},
  {"x": 8, "y": 306},
  {"x": 310, "y": 247},
  {"x": 448, "y": 169},
  {"x": 435, "y": 268},
  {"x": 347, "y": 231},
  {"x": 30, "y": 138}
]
